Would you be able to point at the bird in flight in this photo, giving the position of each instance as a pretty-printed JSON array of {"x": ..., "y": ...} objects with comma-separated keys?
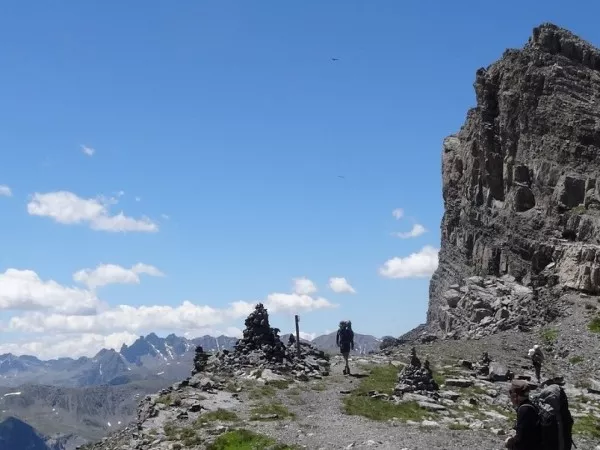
[
  {"x": 335, "y": 59},
  {"x": 341, "y": 176}
]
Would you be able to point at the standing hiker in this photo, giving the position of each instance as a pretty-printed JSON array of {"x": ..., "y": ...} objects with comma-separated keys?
[
  {"x": 528, "y": 432},
  {"x": 537, "y": 358},
  {"x": 345, "y": 341}
]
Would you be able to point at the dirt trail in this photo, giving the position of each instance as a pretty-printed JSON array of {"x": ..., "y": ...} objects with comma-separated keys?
[{"x": 321, "y": 424}]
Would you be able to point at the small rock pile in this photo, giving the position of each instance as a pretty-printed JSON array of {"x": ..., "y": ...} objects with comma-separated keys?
[
  {"x": 416, "y": 378},
  {"x": 261, "y": 347},
  {"x": 200, "y": 360}
]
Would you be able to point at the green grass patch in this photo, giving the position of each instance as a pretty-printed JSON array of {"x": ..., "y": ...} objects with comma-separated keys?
[
  {"x": 439, "y": 377},
  {"x": 319, "y": 387},
  {"x": 576, "y": 359},
  {"x": 579, "y": 209},
  {"x": 377, "y": 409},
  {"x": 223, "y": 415},
  {"x": 245, "y": 440},
  {"x": 587, "y": 426},
  {"x": 381, "y": 379},
  {"x": 232, "y": 387},
  {"x": 458, "y": 427},
  {"x": 295, "y": 391},
  {"x": 594, "y": 325},
  {"x": 187, "y": 435},
  {"x": 264, "y": 409},
  {"x": 164, "y": 399},
  {"x": 549, "y": 335},
  {"x": 262, "y": 391},
  {"x": 279, "y": 384}
]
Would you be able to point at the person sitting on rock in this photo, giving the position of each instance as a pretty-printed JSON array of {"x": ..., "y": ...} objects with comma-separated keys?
[
  {"x": 345, "y": 341},
  {"x": 537, "y": 358},
  {"x": 528, "y": 432}
]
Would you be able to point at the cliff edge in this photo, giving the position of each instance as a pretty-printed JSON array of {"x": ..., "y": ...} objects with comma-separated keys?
[{"x": 520, "y": 189}]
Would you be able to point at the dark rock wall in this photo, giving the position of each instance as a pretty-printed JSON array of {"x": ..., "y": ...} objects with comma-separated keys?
[{"x": 520, "y": 183}]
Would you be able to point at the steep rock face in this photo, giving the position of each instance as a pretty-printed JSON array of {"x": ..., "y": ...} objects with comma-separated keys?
[{"x": 520, "y": 179}]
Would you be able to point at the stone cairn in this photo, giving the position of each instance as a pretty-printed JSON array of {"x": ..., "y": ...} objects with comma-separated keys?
[
  {"x": 261, "y": 347},
  {"x": 415, "y": 377},
  {"x": 259, "y": 335},
  {"x": 200, "y": 360}
]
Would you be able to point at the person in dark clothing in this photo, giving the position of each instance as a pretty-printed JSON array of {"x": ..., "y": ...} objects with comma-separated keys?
[
  {"x": 528, "y": 433},
  {"x": 345, "y": 341}
]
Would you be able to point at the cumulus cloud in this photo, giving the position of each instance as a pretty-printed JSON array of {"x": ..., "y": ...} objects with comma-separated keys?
[
  {"x": 291, "y": 303},
  {"x": 416, "y": 231},
  {"x": 307, "y": 336},
  {"x": 421, "y": 264},
  {"x": 89, "y": 151},
  {"x": 25, "y": 290},
  {"x": 72, "y": 345},
  {"x": 398, "y": 213},
  {"x": 114, "y": 274},
  {"x": 340, "y": 286},
  {"x": 5, "y": 191},
  {"x": 304, "y": 286},
  {"x": 67, "y": 208},
  {"x": 58, "y": 311}
]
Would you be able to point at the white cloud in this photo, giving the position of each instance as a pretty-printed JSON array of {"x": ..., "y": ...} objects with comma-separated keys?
[
  {"x": 72, "y": 345},
  {"x": 67, "y": 208},
  {"x": 5, "y": 191},
  {"x": 89, "y": 151},
  {"x": 421, "y": 264},
  {"x": 307, "y": 336},
  {"x": 165, "y": 216},
  {"x": 416, "y": 231},
  {"x": 304, "y": 286},
  {"x": 340, "y": 285},
  {"x": 293, "y": 303},
  {"x": 398, "y": 213},
  {"x": 123, "y": 321},
  {"x": 114, "y": 274},
  {"x": 24, "y": 290},
  {"x": 138, "y": 199}
]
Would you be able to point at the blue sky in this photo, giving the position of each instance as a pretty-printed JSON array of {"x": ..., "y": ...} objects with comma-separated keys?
[{"x": 224, "y": 127}]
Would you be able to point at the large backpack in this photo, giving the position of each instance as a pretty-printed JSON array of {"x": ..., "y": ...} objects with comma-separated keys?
[
  {"x": 554, "y": 418},
  {"x": 346, "y": 335}
]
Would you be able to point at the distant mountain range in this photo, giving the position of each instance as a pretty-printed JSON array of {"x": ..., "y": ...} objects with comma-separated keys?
[
  {"x": 149, "y": 357},
  {"x": 76, "y": 400}
]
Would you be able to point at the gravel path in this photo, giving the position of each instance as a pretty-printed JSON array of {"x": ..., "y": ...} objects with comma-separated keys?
[{"x": 321, "y": 424}]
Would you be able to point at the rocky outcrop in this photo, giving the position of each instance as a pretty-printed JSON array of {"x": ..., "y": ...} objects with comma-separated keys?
[{"x": 520, "y": 184}]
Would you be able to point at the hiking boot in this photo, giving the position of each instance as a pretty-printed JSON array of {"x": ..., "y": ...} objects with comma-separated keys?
[{"x": 345, "y": 371}]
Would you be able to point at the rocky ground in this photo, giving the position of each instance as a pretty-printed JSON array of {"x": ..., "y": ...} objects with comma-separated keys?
[{"x": 366, "y": 409}]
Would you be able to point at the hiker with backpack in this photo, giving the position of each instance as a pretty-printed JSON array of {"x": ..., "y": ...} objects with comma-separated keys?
[
  {"x": 537, "y": 359},
  {"x": 345, "y": 341},
  {"x": 544, "y": 421},
  {"x": 528, "y": 436}
]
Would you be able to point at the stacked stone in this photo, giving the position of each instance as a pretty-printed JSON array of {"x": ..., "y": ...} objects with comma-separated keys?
[
  {"x": 200, "y": 360},
  {"x": 416, "y": 377},
  {"x": 261, "y": 347},
  {"x": 483, "y": 367},
  {"x": 259, "y": 335}
]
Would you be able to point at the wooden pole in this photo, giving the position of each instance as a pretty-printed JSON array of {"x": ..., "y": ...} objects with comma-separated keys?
[{"x": 297, "y": 319}]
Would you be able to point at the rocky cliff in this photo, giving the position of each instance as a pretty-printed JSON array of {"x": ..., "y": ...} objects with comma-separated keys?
[{"x": 520, "y": 189}]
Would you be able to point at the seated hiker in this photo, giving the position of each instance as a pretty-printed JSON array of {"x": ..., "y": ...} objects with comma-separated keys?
[
  {"x": 528, "y": 433},
  {"x": 345, "y": 341}
]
